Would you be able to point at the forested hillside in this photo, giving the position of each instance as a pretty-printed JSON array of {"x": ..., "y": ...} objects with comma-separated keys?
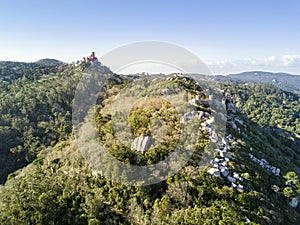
[
  {"x": 268, "y": 105},
  {"x": 10, "y": 71},
  {"x": 287, "y": 82},
  {"x": 252, "y": 179},
  {"x": 35, "y": 111}
]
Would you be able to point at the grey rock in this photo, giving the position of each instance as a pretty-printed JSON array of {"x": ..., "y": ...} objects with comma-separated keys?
[
  {"x": 229, "y": 136},
  {"x": 214, "y": 172},
  {"x": 210, "y": 121},
  {"x": 224, "y": 163},
  {"x": 217, "y": 160},
  {"x": 225, "y": 154},
  {"x": 231, "y": 179},
  {"x": 189, "y": 115},
  {"x": 264, "y": 161},
  {"x": 206, "y": 114},
  {"x": 239, "y": 121},
  {"x": 142, "y": 143},
  {"x": 224, "y": 171},
  {"x": 224, "y": 140},
  {"x": 235, "y": 143},
  {"x": 215, "y": 164},
  {"x": 231, "y": 107},
  {"x": 201, "y": 115},
  {"x": 198, "y": 97},
  {"x": 166, "y": 91},
  {"x": 273, "y": 169},
  {"x": 234, "y": 126},
  {"x": 294, "y": 202},
  {"x": 236, "y": 175},
  {"x": 214, "y": 136},
  {"x": 240, "y": 187},
  {"x": 194, "y": 102},
  {"x": 222, "y": 116}
]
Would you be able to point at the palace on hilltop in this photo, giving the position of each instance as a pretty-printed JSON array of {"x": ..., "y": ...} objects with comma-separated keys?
[{"x": 91, "y": 58}]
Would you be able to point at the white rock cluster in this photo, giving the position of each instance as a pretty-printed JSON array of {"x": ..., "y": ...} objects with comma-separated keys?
[
  {"x": 264, "y": 164},
  {"x": 232, "y": 109},
  {"x": 208, "y": 125},
  {"x": 207, "y": 122},
  {"x": 220, "y": 166}
]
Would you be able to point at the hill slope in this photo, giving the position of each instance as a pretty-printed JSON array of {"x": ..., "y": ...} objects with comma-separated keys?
[
  {"x": 284, "y": 81},
  {"x": 49, "y": 62},
  {"x": 241, "y": 185},
  {"x": 10, "y": 71}
]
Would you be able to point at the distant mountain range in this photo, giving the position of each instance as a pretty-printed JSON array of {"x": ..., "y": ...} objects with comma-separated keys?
[{"x": 284, "y": 81}]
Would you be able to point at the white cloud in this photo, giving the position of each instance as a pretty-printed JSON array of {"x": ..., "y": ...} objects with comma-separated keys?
[
  {"x": 252, "y": 61},
  {"x": 271, "y": 59},
  {"x": 291, "y": 60},
  {"x": 286, "y": 63}
]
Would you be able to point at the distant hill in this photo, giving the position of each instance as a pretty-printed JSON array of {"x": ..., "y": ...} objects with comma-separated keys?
[
  {"x": 284, "y": 81},
  {"x": 49, "y": 62},
  {"x": 10, "y": 71}
]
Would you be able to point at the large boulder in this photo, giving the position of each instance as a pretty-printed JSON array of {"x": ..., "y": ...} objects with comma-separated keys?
[{"x": 142, "y": 143}]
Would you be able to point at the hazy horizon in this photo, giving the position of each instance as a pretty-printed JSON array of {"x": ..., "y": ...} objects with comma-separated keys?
[{"x": 230, "y": 37}]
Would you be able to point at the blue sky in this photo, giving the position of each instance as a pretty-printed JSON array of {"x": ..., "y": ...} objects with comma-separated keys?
[{"x": 230, "y": 36}]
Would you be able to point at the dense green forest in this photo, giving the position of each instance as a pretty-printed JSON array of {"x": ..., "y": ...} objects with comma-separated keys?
[
  {"x": 268, "y": 105},
  {"x": 35, "y": 108},
  {"x": 46, "y": 180},
  {"x": 10, "y": 71}
]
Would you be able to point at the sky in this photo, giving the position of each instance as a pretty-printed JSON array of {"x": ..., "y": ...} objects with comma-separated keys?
[{"x": 230, "y": 36}]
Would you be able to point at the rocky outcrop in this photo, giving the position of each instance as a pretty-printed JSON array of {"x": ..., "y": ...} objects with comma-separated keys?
[
  {"x": 264, "y": 164},
  {"x": 142, "y": 143},
  {"x": 220, "y": 164}
]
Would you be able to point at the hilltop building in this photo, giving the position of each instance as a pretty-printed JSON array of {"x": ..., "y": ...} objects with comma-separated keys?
[{"x": 92, "y": 58}]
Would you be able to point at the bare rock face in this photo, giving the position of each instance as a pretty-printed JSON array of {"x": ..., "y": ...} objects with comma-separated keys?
[{"x": 142, "y": 143}]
